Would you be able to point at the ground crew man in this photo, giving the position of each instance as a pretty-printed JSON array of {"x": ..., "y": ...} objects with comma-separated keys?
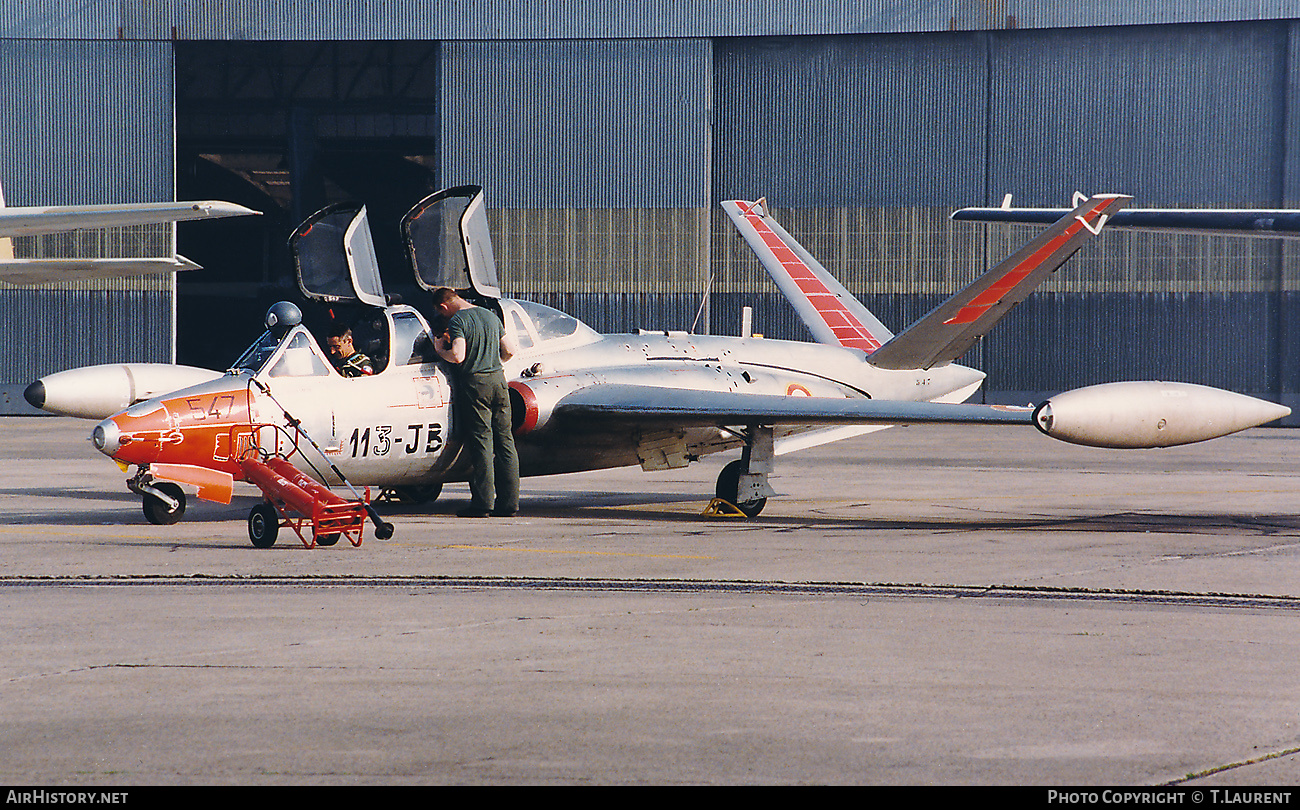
[{"x": 476, "y": 343}]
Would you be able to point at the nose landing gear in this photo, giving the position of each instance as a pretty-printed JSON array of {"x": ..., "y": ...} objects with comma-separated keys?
[
  {"x": 163, "y": 502},
  {"x": 167, "y": 506}
]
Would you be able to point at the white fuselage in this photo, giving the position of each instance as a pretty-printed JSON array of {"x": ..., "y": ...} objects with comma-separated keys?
[
  {"x": 399, "y": 426},
  {"x": 703, "y": 363}
]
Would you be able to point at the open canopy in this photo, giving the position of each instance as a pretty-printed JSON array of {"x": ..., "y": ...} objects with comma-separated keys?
[
  {"x": 447, "y": 239},
  {"x": 334, "y": 257}
]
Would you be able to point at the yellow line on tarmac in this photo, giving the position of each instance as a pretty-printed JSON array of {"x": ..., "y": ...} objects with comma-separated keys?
[
  {"x": 45, "y": 531},
  {"x": 589, "y": 553}
]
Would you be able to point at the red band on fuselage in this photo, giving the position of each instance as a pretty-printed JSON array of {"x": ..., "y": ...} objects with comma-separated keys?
[{"x": 528, "y": 421}]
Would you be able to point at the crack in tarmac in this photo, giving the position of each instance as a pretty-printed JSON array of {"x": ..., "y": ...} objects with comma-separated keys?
[{"x": 651, "y": 585}]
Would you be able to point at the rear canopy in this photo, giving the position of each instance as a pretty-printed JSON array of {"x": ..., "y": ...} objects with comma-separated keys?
[{"x": 448, "y": 242}]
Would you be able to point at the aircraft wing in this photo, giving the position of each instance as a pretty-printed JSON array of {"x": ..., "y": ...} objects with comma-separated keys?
[
  {"x": 32, "y": 220},
  {"x": 829, "y": 310},
  {"x": 45, "y": 271},
  {"x": 28, "y": 220},
  {"x": 646, "y": 404},
  {"x": 1277, "y": 223},
  {"x": 948, "y": 331}
]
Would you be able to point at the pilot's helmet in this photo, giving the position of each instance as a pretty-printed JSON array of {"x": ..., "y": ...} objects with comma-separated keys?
[{"x": 283, "y": 316}]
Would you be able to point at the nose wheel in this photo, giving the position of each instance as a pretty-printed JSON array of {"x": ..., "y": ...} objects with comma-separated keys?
[{"x": 165, "y": 505}]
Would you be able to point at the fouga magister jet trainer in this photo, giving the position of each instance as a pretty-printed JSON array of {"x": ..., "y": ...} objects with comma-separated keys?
[{"x": 282, "y": 418}]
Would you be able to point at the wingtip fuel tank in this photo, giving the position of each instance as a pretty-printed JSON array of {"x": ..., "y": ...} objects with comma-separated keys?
[
  {"x": 1131, "y": 415},
  {"x": 98, "y": 392}
]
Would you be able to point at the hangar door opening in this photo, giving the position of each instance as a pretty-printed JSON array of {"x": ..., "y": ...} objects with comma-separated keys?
[{"x": 287, "y": 128}]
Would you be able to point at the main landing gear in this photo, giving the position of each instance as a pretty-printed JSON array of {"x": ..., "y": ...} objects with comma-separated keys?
[
  {"x": 728, "y": 489},
  {"x": 743, "y": 483},
  {"x": 414, "y": 494}
]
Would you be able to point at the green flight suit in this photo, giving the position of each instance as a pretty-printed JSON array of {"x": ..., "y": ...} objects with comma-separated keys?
[{"x": 483, "y": 404}]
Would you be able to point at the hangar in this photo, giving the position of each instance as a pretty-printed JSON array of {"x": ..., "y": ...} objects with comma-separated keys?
[{"x": 606, "y": 134}]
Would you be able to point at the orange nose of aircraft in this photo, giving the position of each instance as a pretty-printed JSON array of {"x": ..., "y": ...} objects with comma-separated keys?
[
  {"x": 137, "y": 435},
  {"x": 195, "y": 426}
]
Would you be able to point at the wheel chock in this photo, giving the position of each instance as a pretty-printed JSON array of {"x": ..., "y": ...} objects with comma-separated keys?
[{"x": 719, "y": 507}]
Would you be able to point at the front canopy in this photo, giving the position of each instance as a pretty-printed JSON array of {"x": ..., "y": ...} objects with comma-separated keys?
[{"x": 334, "y": 257}]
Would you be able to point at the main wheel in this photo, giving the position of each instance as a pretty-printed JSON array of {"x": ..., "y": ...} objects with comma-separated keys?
[
  {"x": 420, "y": 493},
  {"x": 728, "y": 489},
  {"x": 263, "y": 524},
  {"x": 156, "y": 510},
  {"x": 327, "y": 539}
]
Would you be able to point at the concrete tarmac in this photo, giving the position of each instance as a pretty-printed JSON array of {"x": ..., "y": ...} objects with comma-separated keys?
[{"x": 919, "y": 606}]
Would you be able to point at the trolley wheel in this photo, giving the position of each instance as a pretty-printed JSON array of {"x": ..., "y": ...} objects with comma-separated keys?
[
  {"x": 728, "y": 489},
  {"x": 157, "y": 512},
  {"x": 328, "y": 539},
  {"x": 263, "y": 524}
]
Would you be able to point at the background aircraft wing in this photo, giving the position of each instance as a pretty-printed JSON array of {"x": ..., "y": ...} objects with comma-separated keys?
[
  {"x": 1277, "y": 223},
  {"x": 948, "y": 331},
  {"x": 45, "y": 271},
  {"x": 828, "y": 309},
  {"x": 33, "y": 220},
  {"x": 645, "y": 404},
  {"x": 25, "y": 221}
]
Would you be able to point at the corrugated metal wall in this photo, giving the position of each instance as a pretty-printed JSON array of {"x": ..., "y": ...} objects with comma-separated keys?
[
  {"x": 1185, "y": 116},
  {"x": 596, "y": 160},
  {"x": 851, "y": 121},
  {"x": 67, "y": 139},
  {"x": 579, "y": 124},
  {"x": 1175, "y": 115},
  {"x": 599, "y": 19},
  {"x": 606, "y": 142},
  {"x": 864, "y": 144}
]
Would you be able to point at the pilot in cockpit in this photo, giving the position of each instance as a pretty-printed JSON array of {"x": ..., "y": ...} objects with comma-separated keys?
[{"x": 344, "y": 355}]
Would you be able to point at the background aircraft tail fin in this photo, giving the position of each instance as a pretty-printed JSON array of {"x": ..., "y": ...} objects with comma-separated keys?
[
  {"x": 948, "y": 331},
  {"x": 1277, "y": 223},
  {"x": 829, "y": 310}
]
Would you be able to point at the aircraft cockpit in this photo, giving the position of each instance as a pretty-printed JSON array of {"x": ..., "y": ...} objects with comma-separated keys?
[
  {"x": 290, "y": 350},
  {"x": 256, "y": 355},
  {"x": 300, "y": 356},
  {"x": 285, "y": 349},
  {"x": 410, "y": 341},
  {"x": 448, "y": 243},
  {"x": 393, "y": 337},
  {"x": 369, "y": 334},
  {"x": 532, "y": 325},
  {"x": 279, "y": 353}
]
